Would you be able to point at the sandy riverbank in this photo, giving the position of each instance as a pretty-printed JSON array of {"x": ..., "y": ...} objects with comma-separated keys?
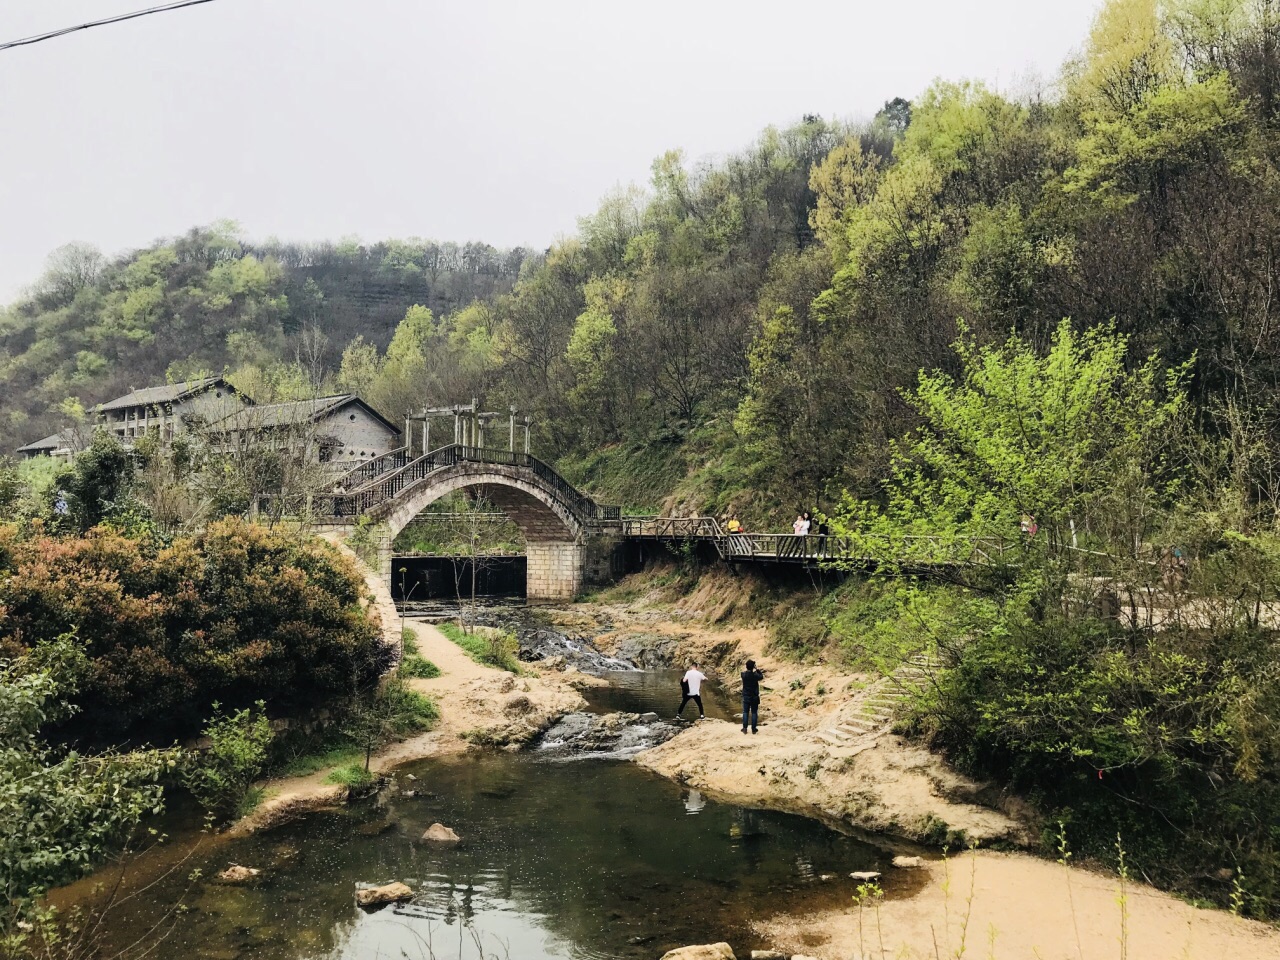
[
  {"x": 479, "y": 705},
  {"x": 882, "y": 783},
  {"x": 1023, "y": 908}
]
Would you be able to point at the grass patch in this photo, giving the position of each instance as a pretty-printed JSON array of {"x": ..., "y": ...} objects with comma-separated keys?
[
  {"x": 418, "y": 668},
  {"x": 250, "y": 802},
  {"x": 406, "y": 711},
  {"x": 331, "y": 755},
  {"x": 492, "y": 650},
  {"x": 351, "y": 775},
  {"x": 414, "y": 666}
]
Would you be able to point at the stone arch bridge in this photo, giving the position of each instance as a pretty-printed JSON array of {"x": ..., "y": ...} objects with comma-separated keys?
[{"x": 570, "y": 539}]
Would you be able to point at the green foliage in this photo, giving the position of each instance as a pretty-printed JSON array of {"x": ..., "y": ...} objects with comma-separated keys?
[
  {"x": 1101, "y": 678},
  {"x": 209, "y": 301},
  {"x": 237, "y": 614},
  {"x": 414, "y": 665},
  {"x": 221, "y": 775},
  {"x": 97, "y": 482},
  {"x": 61, "y": 811},
  {"x": 322, "y": 756},
  {"x": 352, "y": 776},
  {"x": 390, "y": 713},
  {"x": 493, "y": 649}
]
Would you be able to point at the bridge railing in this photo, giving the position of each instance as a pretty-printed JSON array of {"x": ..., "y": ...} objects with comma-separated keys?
[
  {"x": 679, "y": 528},
  {"x": 909, "y": 549},
  {"x": 372, "y": 469},
  {"x": 387, "y": 484}
]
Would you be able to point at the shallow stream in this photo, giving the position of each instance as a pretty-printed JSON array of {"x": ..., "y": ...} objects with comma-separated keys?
[{"x": 592, "y": 859}]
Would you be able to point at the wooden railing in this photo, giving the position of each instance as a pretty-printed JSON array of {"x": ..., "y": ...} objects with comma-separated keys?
[{"x": 671, "y": 528}]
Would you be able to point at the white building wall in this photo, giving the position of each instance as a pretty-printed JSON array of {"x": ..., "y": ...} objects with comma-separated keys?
[{"x": 358, "y": 434}]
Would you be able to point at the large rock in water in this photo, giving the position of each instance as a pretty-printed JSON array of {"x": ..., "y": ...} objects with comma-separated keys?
[
  {"x": 708, "y": 951},
  {"x": 238, "y": 874},
  {"x": 579, "y": 652},
  {"x": 376, "y": 896},
  {"x": 439, "y": 833},
  {"x": 648, "y": 651},
  {"x": 616, "y": 734}
]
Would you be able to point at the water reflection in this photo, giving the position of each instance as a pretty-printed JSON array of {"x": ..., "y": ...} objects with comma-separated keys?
[{"x": 557, "y": 862}]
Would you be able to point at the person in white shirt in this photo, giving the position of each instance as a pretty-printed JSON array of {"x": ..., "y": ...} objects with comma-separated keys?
[{"x": 691, "y": 687}]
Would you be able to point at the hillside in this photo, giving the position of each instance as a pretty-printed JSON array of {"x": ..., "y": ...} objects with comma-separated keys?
[{"x": 739, "y": 332}]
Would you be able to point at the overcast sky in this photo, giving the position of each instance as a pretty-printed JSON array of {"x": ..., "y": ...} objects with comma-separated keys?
[{"x": 467, "y": 120}]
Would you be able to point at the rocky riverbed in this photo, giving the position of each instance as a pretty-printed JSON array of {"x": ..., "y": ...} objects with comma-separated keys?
[{"x": 612, "y": 735}]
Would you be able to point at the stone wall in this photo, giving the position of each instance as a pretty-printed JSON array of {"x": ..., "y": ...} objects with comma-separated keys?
[{"x": 554, "y": 570}]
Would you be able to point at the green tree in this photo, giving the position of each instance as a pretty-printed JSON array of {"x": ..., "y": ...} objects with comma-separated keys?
[{"x": 61, "y": 811}]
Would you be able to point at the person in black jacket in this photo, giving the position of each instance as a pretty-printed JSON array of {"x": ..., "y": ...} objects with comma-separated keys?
[{"x": 751, "y": 678}]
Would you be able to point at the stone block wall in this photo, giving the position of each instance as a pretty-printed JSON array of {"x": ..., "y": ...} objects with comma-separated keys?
[
  {"x": 604, "y": 559},
  {"x": 554, "y": 570}
]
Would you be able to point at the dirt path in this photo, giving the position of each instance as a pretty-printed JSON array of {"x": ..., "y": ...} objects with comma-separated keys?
[
  {"x": 1033, "y": 910},
  {"x": 478, "y": 705}
]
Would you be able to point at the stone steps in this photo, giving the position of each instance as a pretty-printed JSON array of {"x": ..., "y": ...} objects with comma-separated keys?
[{"x": 876, "y": 710}]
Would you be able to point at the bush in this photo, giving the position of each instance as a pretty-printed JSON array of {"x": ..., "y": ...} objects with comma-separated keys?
[
  {"x": 220, "y": 776},
  {"x": 237, "y": 614}
]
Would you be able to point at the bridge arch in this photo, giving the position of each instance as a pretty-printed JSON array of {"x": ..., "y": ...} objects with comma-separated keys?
[{"x": 555, "y": 536}]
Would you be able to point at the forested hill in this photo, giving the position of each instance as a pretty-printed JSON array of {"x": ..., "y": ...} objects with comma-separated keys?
[
  {"x": 740, "y": 332},
  {"x": 278, "y": 315}
]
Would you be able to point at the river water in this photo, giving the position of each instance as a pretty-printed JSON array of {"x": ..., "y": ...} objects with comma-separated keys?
[{"x": 584, "y": 860}]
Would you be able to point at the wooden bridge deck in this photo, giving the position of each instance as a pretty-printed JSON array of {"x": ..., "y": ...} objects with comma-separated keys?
[{"x": 811, "y": 549}]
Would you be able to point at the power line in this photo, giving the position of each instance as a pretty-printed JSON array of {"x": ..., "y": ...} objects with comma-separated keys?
[{"x": 164, "y": 8}]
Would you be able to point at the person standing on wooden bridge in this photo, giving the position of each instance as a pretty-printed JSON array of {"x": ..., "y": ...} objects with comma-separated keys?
[
  {"x": 691, "y": 687},
  {"x": 751, "y": 678}
]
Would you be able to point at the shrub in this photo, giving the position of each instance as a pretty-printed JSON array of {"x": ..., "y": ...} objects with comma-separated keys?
[
  {"x": 237, "y": 614},
  {"x": 220, "y": 776}
]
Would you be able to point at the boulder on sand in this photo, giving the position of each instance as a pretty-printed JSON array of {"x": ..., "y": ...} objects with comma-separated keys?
[
  {"x": 707, "y": 951},
  {"x": 238, "y": 874},
  {"x": 904, "y": 862},
  {"x": 376, "y": 896},
  {"x": 439, "y": 833},
  {"x": 767, "y": 955}
]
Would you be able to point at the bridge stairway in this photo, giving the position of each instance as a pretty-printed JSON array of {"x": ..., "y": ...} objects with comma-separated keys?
[{"x": 873, "y": 713}]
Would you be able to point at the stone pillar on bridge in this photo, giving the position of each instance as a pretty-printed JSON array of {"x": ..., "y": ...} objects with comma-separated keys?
[{"x": 554, "y": 570}]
